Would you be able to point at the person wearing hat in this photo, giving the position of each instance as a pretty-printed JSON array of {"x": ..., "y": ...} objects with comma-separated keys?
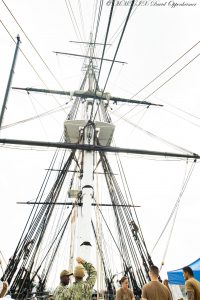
[
  {"x": 3, "y": 288},
  {"x": 64, "y": 282},
  {"x": 81, "y": 289}
]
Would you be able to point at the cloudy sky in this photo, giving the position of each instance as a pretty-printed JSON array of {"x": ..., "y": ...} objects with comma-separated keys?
[{"x": 158, "y": 34}]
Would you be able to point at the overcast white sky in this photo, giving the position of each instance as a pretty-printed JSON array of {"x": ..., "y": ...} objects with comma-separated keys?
[{"x": 155, "y": 37}]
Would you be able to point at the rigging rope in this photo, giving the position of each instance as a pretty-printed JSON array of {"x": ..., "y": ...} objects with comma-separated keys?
[
  {"x": 60, "y": 167},
  {"x": 40, "y": 121},
  {"x": 74, "y": 23},
  {"x": 31, "y": 65},
  {"x": 22, "y": 241},
  {"x": 61, "y": 233},
  {"x": 165, "y": 70},
  {"x": 160, "y": 74},
  {"x": 105, "y": 265},
  {"x": 41, "y": 220},
  {"x": 51, "y": 111},
  {"x": 24, "y": 54},
  {"x": 81, "y": 17},
  {"x": 172, "y": 227},
  {"x": 180, "y": 117},
  {"x": 182, "y": 110},
  {"x": 32, "y": 45},
  {"x": 119, "y": 43},
  {"x": 3, "y": 257},
  {"x": 155, "y": 136},
  {"x": 40, "y": 193},
  {"x": 104, "y": 47},
  {"x": 119, "y": 30},
  {"x": 94, "y": 15},
  {"x": 169, "y": 238},
  {"x": 123, "y": 219},
  {"x": 98, "y": 20},
  {"x": 176, "y": 205},
  {"x": 171, "y": 77},
  {"x": 112, "y": 235},
  {"x": 125, "y": 184},
  {"x": 163, "y": 108},
  {"x": 36, "y": 272}
]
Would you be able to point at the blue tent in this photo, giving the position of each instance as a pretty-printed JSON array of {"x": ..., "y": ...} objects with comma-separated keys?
[{"x": 176, "y": 276}]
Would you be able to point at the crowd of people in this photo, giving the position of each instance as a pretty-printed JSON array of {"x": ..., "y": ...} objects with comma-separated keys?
[
  {"x": 82, "y": 289},
  {"x": 154, "y": 290}
]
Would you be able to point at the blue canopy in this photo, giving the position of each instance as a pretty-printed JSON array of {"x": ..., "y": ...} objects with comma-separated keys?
[{"x": 176, "y": 276}]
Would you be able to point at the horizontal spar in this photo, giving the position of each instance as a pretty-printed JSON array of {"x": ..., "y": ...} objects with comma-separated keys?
[
  {"x": 79, "y": 204},
  {"x": 90, "y": 43},
  {"x": 90, "y": 57},
  {"x": 72, "y": 171},
  {"x": 88, "y": 94},
  {"x": 97, "y": 148}
]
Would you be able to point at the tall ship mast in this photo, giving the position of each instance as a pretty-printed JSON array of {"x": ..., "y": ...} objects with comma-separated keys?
[
  {"x": 84, "y": 208},
  {"x": 88, "y": 124}
]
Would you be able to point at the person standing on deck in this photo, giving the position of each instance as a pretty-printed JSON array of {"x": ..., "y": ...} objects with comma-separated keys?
[
  {"x": 192, "y": 286},
  {"x": 81, "y": 290},
  {"x": 124, "y": 293},
  {"x": 155, "y": 290},
  {"x": 64, "y": 282},
  {"x": 166, "y": 283}
]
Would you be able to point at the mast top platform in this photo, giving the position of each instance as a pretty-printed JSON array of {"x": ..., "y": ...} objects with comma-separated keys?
[{"x": 103, "y": 130}]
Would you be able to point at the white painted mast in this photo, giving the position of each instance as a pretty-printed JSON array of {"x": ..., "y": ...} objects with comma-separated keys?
[
  {"x": 74, "y": 129},
  {"x": 84, "y": 212},
  {"x": 84, "y": 233}
]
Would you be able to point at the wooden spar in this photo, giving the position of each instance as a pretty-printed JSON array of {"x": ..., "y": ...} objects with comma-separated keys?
[
  {"x": 79, "y": 204},
  {"x": 90, "y": 43},
  {"x": 98, "y": 148},
  {"x": 90, "y": 57},
  {"x": 88, "y": 94}
]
